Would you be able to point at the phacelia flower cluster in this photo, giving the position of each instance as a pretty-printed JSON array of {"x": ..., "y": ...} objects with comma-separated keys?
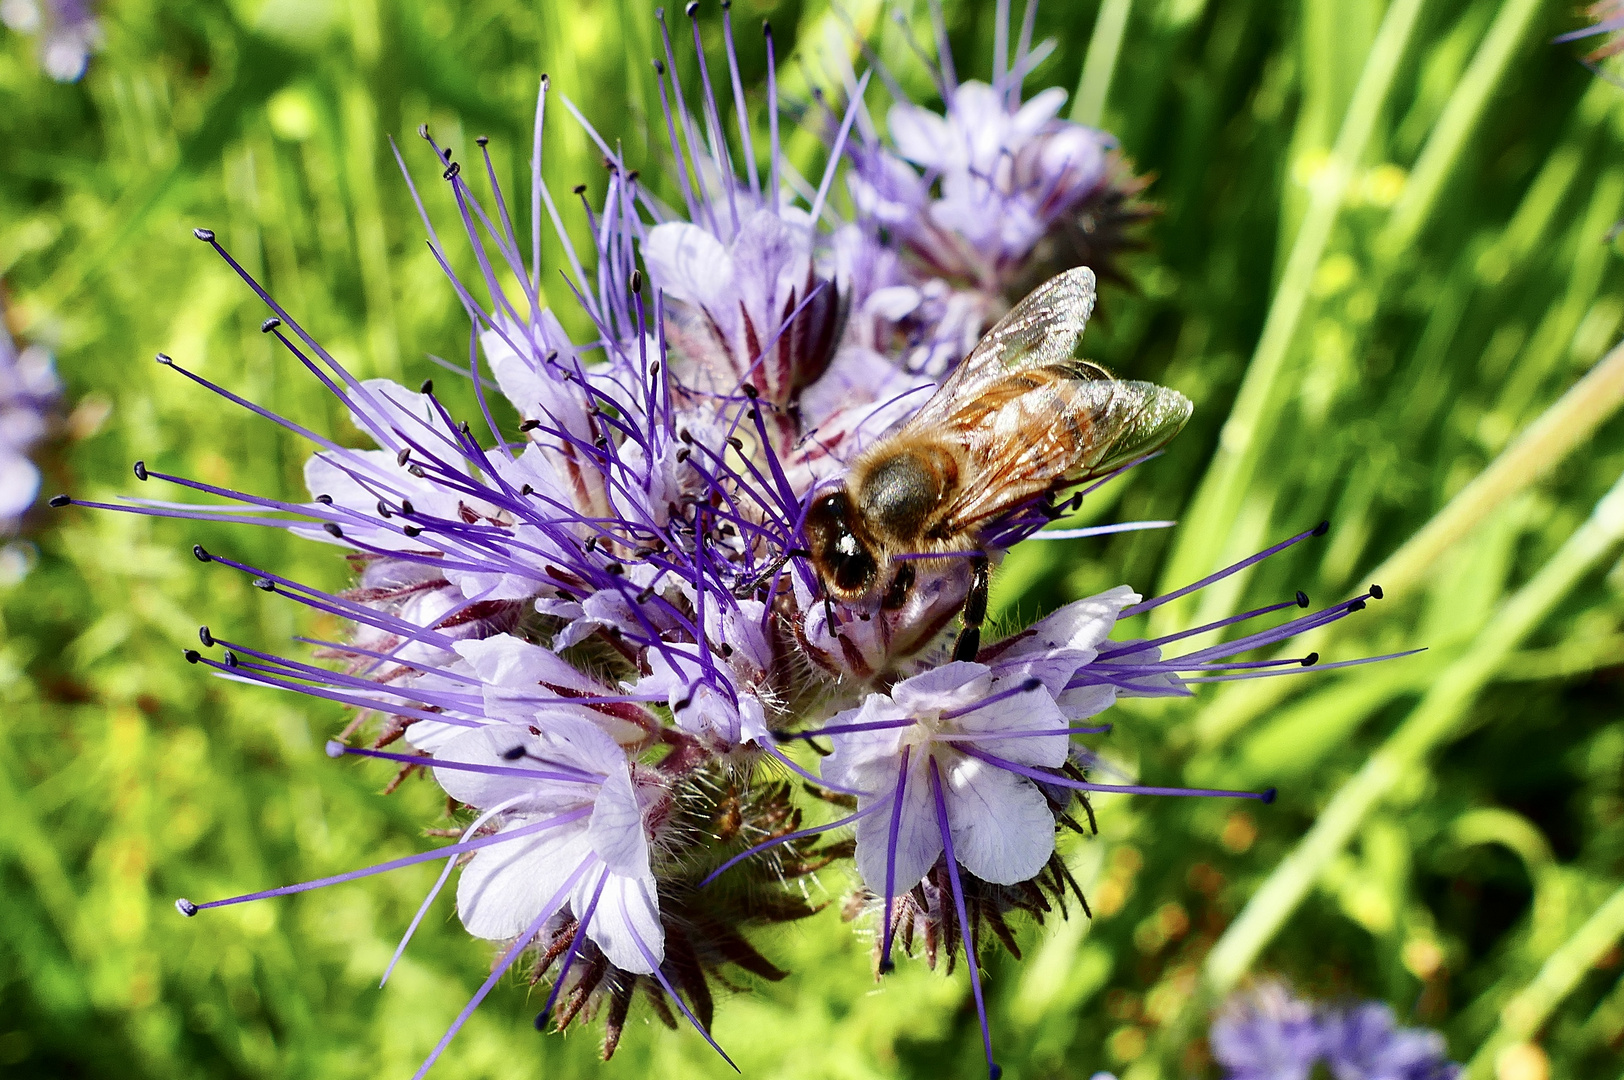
[
  {"x": 729, "y": 526},
  {"x": 1268, "y": 1034}
]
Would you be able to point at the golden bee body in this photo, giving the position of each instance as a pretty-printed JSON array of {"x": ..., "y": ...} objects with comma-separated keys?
[{"x": 1020, "y": 419}]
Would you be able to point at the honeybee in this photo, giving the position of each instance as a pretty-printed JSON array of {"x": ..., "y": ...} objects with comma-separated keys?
[{"x": 1020, "y": 419}]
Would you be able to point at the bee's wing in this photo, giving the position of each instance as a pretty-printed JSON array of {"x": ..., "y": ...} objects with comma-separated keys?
[
  {"x": 1034, "y": 430},
  {"x": 1039, "y": 332}
]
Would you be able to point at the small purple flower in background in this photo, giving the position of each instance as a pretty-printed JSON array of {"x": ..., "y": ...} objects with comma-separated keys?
[
  {"x": 29, "y": 390},
  {"x": 1267, "y": 1034},
  {"x": 1606, "y": 18},
  {"x": 68, "y": 33}
]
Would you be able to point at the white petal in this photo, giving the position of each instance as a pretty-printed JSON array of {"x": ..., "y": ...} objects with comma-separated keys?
[
  {"x": 855, "y": 751},
  {"x": 919, "y": 134},
  {"x": 689, "y": 264},
  {"x": 1003, "y": 831},
  {"x": 1031, "y": 711},
  {"x": 616, "y": 830},
  {"x": 503, "y": 889},
  {"x": 952, "y": 686},
  {"x": 1043, "y": 107},
  {"x": 919, "y": 835},
  {"x": 627, "y": 912},
  {"x": 1080, "y": 625}
]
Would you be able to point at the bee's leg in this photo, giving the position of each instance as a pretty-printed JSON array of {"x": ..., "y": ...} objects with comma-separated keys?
[{"x": 975, "y": 611}]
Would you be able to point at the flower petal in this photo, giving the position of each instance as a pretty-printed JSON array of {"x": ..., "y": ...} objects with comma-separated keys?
[
  {"x": 503, "y": 888},
  {"x": 1003, "y": 830}
]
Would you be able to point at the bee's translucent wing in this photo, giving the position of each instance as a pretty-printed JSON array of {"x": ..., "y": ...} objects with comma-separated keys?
[
  {"x": 1039, "y": 332},
  {"x": 1036, "y": 431}
]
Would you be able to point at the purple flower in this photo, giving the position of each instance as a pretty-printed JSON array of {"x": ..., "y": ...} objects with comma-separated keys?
[
  {"x": 68, "y": 33},
  {"x": 986, "y": 198},
  {"x": 1267, "y": 1034},
  {"x": 28, "y": 391},
  {"x": 593, "y": 631}
]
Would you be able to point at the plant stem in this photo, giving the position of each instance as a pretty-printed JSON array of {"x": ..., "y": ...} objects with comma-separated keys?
[
  {"x": 1440, "y": 716},
  {"x": 1557, "y": 978},
  {"x": 1100, "y": 64}
]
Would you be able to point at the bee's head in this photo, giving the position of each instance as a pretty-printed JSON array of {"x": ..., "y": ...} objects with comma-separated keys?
[{"x": 842, "y": 552}]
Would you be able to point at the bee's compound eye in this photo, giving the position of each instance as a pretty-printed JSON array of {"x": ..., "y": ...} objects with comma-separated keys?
[
  {"x": 843, "y": 560},
  {"x": 854, "y": 568}
]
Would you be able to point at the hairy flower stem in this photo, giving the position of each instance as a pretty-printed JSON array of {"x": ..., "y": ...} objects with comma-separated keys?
[
  {"x": 1442, "y": 716},
  {"x": 1223, "y": 489},
  {"x": 1559, "y": 430}
]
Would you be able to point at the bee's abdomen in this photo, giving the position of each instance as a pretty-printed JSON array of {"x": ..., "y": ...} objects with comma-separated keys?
[{"x": 901, "y": 494}]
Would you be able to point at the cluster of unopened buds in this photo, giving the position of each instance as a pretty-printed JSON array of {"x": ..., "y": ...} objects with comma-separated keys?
[{"x": 756, "y": 512}]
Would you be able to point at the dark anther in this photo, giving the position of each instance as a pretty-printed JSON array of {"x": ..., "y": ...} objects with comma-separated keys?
[
  {"x": 546, "y": 81},
  {"x": 1031, "y": 684},
  {"x": 200, "y": 554},
  {"x": 383, "y": 509},
  {"x": 140, "y": 470},
  {"x": 579, "y": 189},
  {"x": 684, "y": 435},
  {"x": 265, "y": 583},
  {"x": 513, "y": 753},
  {"x": 735, "y": 442},
  {"x": 467, "y": 432},
  {"x": 404, "y": 456},
  {"x": 269, "y": 324},
  {"x": 445, "y": 155},
  {"x": 750, "y": 391},
  {"x": 659, "y": 66},
  {"x": 591, "y": 544},
  {"x": 412, "y": 530},
  {"x": 186, "y": 907},
  {"x": 451, "y": 170},
  {"x": 526, "y": 489},
  {"x": 654, "y": 368},
  {"x": 1268, "y": 796},
  {"x": 683, "y": 454},
  {"x": 529, "y": 425},
  {"x": 648, "y": 594},
  {"x": 422, "y": 131},
  {"x": 995, "y": 1071},
  {"x": 614, "y": 569},
  {"x": 631, "y": 177},
  {"x": 887, "y": 966},
  {"x": 333, "y": 529},
  {"x": 482, "y": 140},
  {"x": 754, "y": 414},
  {"x": 1375, "y": 592},
  {"x": 231, "y": 659},
  {"x": 427, "y": 387},
  {"x": 1356, "y": 605},
  {"x": 325, "y": 500},
  {"x": 164, "y": 359},
  {"x": 691, "y": 7},
  {"x": 683, "y": 704},
  {"x": 416, "y": 470},
  {"x": 637, "y": 281},
  {"x": 725, "y": 649},
  {"x": 1322, "y": 528},
  {"x": 727, "y": 5},
  {"x": 192, "y": 656},
  {"x": 541, "y": 1020},
  {"x": 205, "y": 637},
  {"x": 205, "y": 235},
  {"x": 406, "y": 507},
  {"x": 1311, "y": 659},
  {"x": 1302, "y": 598}
]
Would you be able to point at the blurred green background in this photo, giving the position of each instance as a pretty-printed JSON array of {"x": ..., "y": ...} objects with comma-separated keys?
[{"x": 1386, "y": 251}]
